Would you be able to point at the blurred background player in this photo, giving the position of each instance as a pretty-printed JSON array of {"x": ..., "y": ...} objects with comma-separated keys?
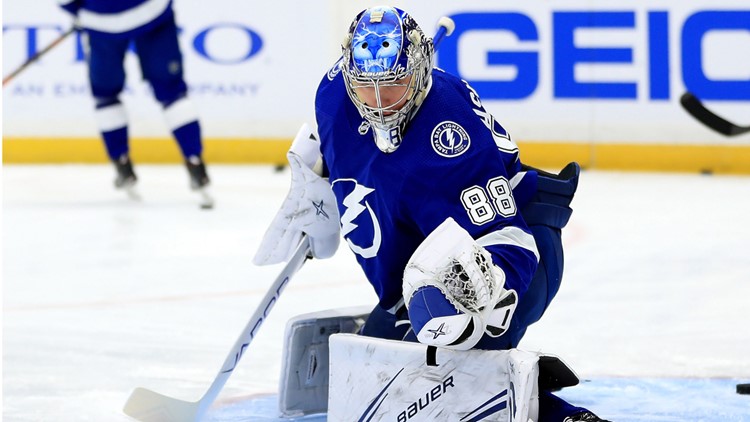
[
  {"x": 460, "y": 241},
  {"x": 110, "y": 27}
]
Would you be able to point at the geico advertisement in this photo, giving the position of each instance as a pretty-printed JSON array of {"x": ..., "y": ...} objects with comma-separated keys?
[{"x": 578, "y": 71}]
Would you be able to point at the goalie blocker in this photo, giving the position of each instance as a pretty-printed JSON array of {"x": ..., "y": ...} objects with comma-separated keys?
[{"x": 326, "y": 368}]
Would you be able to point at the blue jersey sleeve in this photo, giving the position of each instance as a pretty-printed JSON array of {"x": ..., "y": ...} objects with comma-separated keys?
[
  {"x": 466, "y": 194},
  {"x": 478, "y": 189}
]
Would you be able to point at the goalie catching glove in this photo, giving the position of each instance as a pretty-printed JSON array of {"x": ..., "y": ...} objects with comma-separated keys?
[
  {"x": 453, "y": 291},
  {"x": 309, "y": 208}
]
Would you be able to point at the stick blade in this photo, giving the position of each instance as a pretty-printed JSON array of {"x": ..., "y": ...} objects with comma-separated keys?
[
  {"x": 696, "y": 109},
  {"x": 207, "y": 201},
  {"x": 149, "y": 406}
]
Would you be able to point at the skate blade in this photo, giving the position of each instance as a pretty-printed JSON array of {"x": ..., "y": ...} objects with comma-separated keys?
[
  {"x": 131, "y": 191},
  {"x": 133, "y": 194},
  {"x": 207, "y": 201}
]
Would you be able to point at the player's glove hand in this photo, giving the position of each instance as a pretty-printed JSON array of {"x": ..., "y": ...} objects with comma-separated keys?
[
  {"x": 454, "y": 292},
  {"x": 309, "y": 208}
]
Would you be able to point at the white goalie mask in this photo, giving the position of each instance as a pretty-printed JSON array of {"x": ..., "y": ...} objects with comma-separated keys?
[{"x": 387, "y": 69}]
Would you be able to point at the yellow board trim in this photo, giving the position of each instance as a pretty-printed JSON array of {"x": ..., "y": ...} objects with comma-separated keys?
[
  {"x": 142, "y": 150},
  {"x": 720, "y": 159}
]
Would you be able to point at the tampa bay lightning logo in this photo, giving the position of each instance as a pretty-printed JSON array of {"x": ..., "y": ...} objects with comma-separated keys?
[
  {"x": 449, "y": 139},
  {"x": 363, "y": 236},
  {"x": 377, "y": 41},
  {"x": 364, "y": 127}
]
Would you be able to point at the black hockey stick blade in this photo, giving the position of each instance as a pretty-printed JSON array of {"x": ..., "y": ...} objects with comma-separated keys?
[{"x": 696, "y": 109}]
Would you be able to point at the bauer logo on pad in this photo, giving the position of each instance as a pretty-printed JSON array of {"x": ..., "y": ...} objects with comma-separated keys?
[{"x": 381, "y": 380}]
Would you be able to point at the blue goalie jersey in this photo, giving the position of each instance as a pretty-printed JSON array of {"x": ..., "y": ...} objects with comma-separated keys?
[{"x": 454, "y": 161}]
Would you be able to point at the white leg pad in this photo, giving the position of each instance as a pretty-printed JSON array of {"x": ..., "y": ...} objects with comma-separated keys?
[
  {"x": 111, "y": 117},
  {"x": 384, "y": 380},
  {"x": 303, "y": 388},
  {"x": 180, "y": 113}
]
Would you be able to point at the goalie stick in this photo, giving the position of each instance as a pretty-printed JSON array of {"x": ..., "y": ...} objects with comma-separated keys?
[
  {"x": 39, "y": 54},
  {"x": 149, "y": 406},
  {"x": 696, "y": 109}
]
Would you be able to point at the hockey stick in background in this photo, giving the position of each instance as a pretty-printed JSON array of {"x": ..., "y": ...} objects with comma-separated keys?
[
  {"x": 149, "y": 406},
  {"x": 445, "y": 27},
  {"x": 696, "y": 109},
  {"x": 40, "y": 53}
]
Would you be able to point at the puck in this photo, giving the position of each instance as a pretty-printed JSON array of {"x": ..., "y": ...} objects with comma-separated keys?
[
  {"x": 207, "y": 206},
  {"x": 743, "y": 388},
  {"x": 278, "y": 168}
]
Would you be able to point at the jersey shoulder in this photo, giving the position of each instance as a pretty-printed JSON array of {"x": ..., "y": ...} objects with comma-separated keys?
[
  {"x": 331, "y": 90},
  {"x": 453, "y": 115},
  {"x": 334, "y": 111}
]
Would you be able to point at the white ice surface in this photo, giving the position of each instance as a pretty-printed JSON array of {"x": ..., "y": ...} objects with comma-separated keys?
[{"x": 102, "y": 294}]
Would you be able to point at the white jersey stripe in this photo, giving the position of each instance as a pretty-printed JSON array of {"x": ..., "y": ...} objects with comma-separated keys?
[
  {"x": 515, "y": 180},
  {"x": 111, "y": 117},
  {"x": 180, "y": 113},
  {"x": 125, "y": 21},
  {"x": 510, "y": 236}
]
